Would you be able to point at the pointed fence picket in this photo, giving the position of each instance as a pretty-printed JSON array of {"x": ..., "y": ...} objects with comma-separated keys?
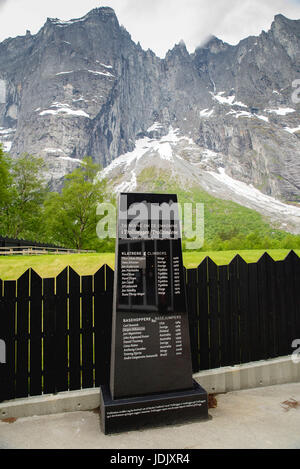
[
  {"x": 243, "y": 312},
  {"x": 57, "y": 331}
]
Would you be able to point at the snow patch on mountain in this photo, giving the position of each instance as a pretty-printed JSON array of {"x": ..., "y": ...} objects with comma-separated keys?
[
  {"x": 252, "y": 194},
  {"x": 154, "y": 127},
  {"x": 6, "y": 136},
  {"x": 53, "y": 150},
  {"x": 206, "y": 112},
  {"x": 292, "y": 130},
  {"x": 60, "y": 108},
  {"x": 64, "y": 73},
  {"x": 7, "y": 146},
  {"x": 4, "y": 131},
  {"x": 229, "y": 100},
  {"x": 250, "y": 115},
  {"x": 283, "y": 111},
  {"x": 193, "y": 166},
  {"x": 94, "y": 72},
  {"x": 106, "y": 74},
  {"x": 144, "y": 147}
]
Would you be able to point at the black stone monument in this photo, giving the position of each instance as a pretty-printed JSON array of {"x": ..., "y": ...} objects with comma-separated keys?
[{"x": 151, "y": 371}]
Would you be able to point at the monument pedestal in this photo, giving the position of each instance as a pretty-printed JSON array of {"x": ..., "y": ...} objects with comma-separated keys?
[{"x": 117, "y": 415}]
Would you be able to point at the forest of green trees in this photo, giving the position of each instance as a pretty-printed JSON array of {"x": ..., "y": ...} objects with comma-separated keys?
[{"x": 29, "y": 210}]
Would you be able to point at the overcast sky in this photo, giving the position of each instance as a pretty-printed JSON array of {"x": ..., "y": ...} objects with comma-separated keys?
[{"x": 157, "y": 24}]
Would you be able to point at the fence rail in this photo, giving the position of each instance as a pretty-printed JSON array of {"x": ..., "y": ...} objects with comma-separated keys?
[
  {"x": 12, "y": 242},
  {"x": 57, "y": 331},
  {"x": 38, "y": 250},
  {"x": 10, "y": 246}
]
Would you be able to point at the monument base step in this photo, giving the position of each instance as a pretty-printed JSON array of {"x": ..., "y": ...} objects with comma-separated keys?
[{"x": 118, "y": 415}]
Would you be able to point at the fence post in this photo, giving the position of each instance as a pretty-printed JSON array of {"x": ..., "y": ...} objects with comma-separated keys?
[
  {"x": 203, "y": 314},
  {"x": 192, "y": 296},
  {"x": 74, "y": 330},
  {"x": 49, "y": 327},
  {"x": 61, "y": 328},
  {"x": 22, "y": 335},
  {"x": 36, "y": 316},
  {"x": 7, "y": 331}
]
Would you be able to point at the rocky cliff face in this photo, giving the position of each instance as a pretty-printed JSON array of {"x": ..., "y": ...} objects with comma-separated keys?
[{"x": 83, "y": 87}]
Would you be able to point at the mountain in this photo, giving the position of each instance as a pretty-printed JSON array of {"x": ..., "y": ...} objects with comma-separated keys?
[
  {"x": 175, "y": 163},
  {"x": 83, "y": 87}
]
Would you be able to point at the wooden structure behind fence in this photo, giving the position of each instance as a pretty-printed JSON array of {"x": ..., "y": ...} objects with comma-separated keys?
[
  {"x": 57, "y": 331},
  {"x": 14, "y": 243},
  {"x": 10, "y": 246}
]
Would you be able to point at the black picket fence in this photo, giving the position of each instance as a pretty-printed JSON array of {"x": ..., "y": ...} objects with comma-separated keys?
[{"x": 57, "y": 331}]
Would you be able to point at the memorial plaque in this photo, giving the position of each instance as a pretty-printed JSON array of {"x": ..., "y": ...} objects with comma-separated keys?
[{"x": 150, "y": 353}]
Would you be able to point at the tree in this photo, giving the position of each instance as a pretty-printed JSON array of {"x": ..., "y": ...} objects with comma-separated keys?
[
  {"x": 5, "y": 179},
  {"x": 22, "y": 202},
  {"x": 6, "y": 193},
  {"x": 70, "y": 216}
]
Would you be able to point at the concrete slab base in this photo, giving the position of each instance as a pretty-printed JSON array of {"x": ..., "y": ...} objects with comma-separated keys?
[
  {"x": 69, "y": 401},
  {"x": 251, "y": 418},
  {"x": 250, "y": 375}
]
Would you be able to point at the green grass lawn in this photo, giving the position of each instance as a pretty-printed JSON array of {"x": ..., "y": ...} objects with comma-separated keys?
[
  {"x": 192, "y": 259},
  {"x": 12, "y": 267}
]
